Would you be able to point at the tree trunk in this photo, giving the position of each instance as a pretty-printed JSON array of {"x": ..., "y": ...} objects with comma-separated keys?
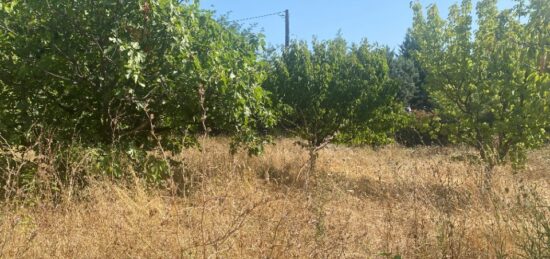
[
  {"x": 313, "y": 154},
  {"x": 487, "y": 178},
  {"x": 489, "y": 158}
]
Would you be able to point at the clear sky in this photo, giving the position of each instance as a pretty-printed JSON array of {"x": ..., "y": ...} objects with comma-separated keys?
[{"x": 382, "y": 21}]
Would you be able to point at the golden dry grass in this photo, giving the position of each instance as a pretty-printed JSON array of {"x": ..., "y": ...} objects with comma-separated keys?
[{"x": 416, "y": 203}]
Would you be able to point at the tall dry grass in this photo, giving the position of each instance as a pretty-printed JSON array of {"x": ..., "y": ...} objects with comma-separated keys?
[{"x": 365, "y": 203}]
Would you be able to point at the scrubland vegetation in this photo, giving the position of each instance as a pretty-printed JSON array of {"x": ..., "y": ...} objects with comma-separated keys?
[
  {"x": 148, "y": 128},
  {"x": 412, "y": 202}
]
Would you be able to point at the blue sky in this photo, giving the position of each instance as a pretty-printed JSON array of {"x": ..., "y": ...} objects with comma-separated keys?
[{"x": 385, "y": 22}]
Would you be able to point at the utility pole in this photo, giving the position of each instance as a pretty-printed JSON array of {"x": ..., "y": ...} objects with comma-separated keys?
[{"x": 287, "y": 28}]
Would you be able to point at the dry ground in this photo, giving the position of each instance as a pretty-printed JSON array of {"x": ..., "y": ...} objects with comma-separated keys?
[{"x": 413, "y": 203}]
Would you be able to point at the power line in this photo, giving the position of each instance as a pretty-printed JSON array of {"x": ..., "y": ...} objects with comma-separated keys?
[
  {"x": 281, "y": 13},
  {"x": 284, "y": 14}
]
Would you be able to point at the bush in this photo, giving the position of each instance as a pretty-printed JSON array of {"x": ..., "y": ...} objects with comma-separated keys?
[
  {"x": 422, "y": 128},
  {"x": 50, "y": 169},
  {"x": 116, "y": 71}
]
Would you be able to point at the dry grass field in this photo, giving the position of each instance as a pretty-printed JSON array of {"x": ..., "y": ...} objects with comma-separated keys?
[{"x": 392, "y": 202}]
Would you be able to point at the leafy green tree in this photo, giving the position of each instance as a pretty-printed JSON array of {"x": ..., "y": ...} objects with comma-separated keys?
[
  {"x": 330, "y": 91},
  {"x": 5, "y": 92},
  {"x": 536, "y": 36},
  {"x": 414, "y": 73},
  {"x": 226, "y": 67},
  {"x": 404, "y": 71},
  {"x": 484, "y": 83},
  {"x": 110, "y": 71}
]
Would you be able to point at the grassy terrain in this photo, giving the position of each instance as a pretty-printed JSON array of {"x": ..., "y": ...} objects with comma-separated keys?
[{"x": 363, "y": 203}]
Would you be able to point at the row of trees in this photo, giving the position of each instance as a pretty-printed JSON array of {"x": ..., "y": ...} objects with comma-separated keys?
[{"x": 151, "y": 71}]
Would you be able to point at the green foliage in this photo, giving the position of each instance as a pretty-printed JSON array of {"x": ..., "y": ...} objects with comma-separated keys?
[
  {"x": 409, "y": 74},
  {"x": 226, "y": 65},
  {"x": 406, "y": 73},
  {"x": 333, "y": 91},
  {"x": 147, "y": 72},
  {"x": 110, "y": 71},
  {"x": 48, "y": 168},
  {"x": 488, "y": 90},
  {"x": 422, "y": 128}
]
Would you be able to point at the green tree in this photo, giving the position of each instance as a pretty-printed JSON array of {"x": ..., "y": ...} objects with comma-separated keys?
[
  {"x": 112, "y": 71},
  {"x": 330, "y": 91},
  {"x": 485, "y": 87},
  {"x": 414, "y": 74},
  {"x": 407, "y": 75}
]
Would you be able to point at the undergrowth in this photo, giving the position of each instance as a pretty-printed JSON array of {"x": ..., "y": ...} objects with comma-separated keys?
[{"x": 68, "y": 200}]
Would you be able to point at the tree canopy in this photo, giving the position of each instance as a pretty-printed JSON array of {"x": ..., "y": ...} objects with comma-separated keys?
[
  {"x": 488, "y": 84},
  {"x": 134, "y": 71},
  {"x": 332, "y": 91},
  {"x": 112, "y": 70}
]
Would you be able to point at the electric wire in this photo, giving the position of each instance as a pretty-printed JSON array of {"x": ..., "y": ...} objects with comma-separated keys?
[{"x": 281, "y": 13}]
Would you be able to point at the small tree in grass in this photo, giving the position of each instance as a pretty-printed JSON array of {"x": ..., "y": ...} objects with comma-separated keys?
[
  {"x": 330, "y": 91},
  {"x": 488, "y": 85}
]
